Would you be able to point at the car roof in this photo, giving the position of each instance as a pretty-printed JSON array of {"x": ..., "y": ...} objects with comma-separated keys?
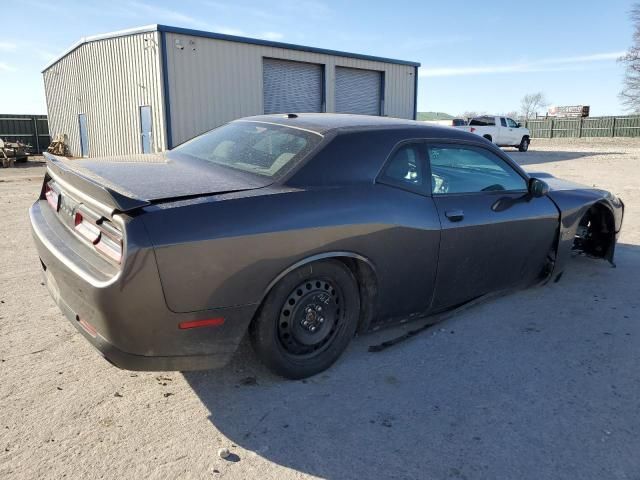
[{"x": 327, "y": 122}]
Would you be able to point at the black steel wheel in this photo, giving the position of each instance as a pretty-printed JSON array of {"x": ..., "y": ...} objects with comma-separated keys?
[
  {"x": 310, "y": 317},
  {"x": 524, "y": 144},
  {"x": 307, "y": 319}
]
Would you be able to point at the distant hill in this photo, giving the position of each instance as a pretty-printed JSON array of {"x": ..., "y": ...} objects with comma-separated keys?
[{"x": 434, "y": 116}]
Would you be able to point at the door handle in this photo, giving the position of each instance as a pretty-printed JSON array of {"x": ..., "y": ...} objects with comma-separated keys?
[{"x": 454, "y": 215}]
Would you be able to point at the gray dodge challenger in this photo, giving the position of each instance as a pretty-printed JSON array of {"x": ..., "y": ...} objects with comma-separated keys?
[{"x": 298, "y": 230}]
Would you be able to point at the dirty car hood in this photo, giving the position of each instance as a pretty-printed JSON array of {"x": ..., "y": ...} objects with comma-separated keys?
[{"x": 164, "y": 176}]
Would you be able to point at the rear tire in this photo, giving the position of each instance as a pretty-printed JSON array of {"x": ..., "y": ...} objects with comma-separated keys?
[
  {"x": 524, "y": 144},
  {"x": 488, "y": 137},
  {"x": 307, "y": 319}
]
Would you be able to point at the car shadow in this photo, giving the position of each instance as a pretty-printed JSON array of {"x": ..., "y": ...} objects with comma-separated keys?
[
  {"x": 533, "y": 156},
  {"x": 528, "y": 385}
]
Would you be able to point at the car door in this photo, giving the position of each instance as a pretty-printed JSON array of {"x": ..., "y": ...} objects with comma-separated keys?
[
  {"x": 495, "y": 234},
  {"x": 408, "y": 256},
  {"x": 503, "y": 132},
  {"x": 515, "y": 134}
]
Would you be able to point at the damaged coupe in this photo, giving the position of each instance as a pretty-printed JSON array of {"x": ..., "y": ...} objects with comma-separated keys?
[{"x": 299, "y": 230}]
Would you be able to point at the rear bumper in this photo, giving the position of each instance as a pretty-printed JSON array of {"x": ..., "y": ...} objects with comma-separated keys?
[
  {"x": 124, "y": 315},
  {"x": 130, "y": 361}
]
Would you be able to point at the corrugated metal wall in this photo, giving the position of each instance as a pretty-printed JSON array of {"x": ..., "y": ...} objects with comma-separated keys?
[
  {"x": 214, "y": 81},
  {"x": 108, "y": 80}
]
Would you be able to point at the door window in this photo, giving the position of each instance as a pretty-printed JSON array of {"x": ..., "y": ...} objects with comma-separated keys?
[
  {"x": 503, "y": 122},
  {"x": 512, "y": 123},
  {"x": 405, "y": 168},
  {"x": 466, "y": 169}
]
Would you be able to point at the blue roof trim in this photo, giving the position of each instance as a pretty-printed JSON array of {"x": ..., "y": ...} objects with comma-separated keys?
[
  {"x": 288, "y": 46},
  {"x": 229, "y": 38},
  {"x": 415, "y": 94},
  {"x": 165, "y": 92}
]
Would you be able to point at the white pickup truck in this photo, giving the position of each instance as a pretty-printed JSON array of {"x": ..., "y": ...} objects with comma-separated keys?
[{"x": 502, "y": 131}]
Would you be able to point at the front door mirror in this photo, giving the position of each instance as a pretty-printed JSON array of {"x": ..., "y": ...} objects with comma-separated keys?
[
  {"x": 519, "y": 125},
  {"x": 538, "y": 188}
]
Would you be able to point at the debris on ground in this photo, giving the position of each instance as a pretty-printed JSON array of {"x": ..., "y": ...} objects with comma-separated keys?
[
  {"x": 58, "y": 146},
  {"x": 163, "y": 380},
  {"x": 224, "y": 453}
]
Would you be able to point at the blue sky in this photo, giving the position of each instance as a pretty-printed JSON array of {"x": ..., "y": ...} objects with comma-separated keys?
[{"x": 476, "y": 56}]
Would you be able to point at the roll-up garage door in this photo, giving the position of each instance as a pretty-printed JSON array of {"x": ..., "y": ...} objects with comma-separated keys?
[
  {"x": 291, "y": 86},
  {"x": 358, "y": 91}
]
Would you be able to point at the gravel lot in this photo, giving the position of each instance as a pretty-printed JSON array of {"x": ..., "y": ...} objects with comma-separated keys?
[{"x": 539, "y": 384}]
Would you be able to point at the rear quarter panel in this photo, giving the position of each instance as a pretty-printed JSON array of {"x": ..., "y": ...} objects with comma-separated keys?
[{"x": 228, "y": 251}]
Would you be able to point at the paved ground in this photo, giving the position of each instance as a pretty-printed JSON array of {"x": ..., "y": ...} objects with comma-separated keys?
[{"x": 540, "y": 384}]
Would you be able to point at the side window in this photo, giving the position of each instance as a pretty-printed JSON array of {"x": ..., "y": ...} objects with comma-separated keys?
[
  {"x": 503, "y": 122},
  {"x": 405, "y": 167},
  {"x": 466, "y": 169},
  {"x": 512, "y": 123},
  {"x": 483, "y": 121}
]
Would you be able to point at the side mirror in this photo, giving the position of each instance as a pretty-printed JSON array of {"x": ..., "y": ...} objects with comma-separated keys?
[
  {"x": 538, "y": 188},
  {"x": 519, "y": 125}
]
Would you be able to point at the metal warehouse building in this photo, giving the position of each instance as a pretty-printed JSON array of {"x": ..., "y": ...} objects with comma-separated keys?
[{"x": 152, "y": 88}]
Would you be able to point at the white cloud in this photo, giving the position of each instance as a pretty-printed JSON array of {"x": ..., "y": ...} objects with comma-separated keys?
[
  {"x": 542, "y": 65},
  {"x": 7, "y": 47},
  {"x": 5, "y": 67},
  {"x": 272, "y": 35},
  {"x": 44, "y": 54},
  {"x": 278, "y": 11},
  {"x": 157, "y": 14}
]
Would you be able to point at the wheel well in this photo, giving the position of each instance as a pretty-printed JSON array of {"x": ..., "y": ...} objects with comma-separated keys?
[
  {"x": 488, "y": 137},
  {"x": 368, "y": 287},
  {"x": 365, "y": 277},
  {"x": 595, "y": 235},
  {"x": 525, "y": 137}
]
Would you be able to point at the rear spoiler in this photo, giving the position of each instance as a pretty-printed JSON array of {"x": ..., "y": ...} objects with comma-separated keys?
[{"x": 61, "y": 169}]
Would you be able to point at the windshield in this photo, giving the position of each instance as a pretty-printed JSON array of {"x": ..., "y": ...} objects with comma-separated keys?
[{"x": 261, "y": 148}]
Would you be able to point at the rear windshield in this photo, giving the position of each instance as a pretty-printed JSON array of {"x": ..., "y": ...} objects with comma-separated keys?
[
  {"x": 261, "y": 148},
  {"x": 483, "y": 121}
]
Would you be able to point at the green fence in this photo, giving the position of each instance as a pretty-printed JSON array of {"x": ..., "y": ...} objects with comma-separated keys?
[
  {"x": 626, "y": 126},
  {"x": 29, "y": 129}
]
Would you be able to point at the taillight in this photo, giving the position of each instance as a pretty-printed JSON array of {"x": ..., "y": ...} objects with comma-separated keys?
[
  {"x": 104, "y": 236},
  {"x": 110, "y": 241},
  {"x": 86, "y": 228},
  {"x": 53, "y": 198}
]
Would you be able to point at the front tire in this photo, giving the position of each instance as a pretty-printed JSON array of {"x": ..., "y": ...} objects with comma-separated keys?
[
  {"x": 524, "y": 144},
  {"x": 307, "y": 319}
]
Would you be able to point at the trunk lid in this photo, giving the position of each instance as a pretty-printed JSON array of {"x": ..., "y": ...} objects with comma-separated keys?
[{"x": 125, "y": 183}]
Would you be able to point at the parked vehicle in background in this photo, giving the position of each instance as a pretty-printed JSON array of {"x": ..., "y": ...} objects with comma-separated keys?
[
  {"x": 13, "y": 152},
  {"x": 502, "y": 131},
  {"x": 450, "y": 122}
]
